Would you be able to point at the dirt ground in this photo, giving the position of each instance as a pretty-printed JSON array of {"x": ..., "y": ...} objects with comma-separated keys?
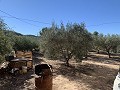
[{"x": 95, "y": 73}]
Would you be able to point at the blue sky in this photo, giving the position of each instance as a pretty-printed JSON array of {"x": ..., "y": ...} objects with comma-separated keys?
[{"x": 98, "y": 15}]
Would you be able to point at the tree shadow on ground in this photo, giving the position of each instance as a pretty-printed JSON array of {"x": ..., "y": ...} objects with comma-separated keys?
[
  {"x": 37, "y": 60},
  {"x": 18, "y": 82},
  {"x": 104, "y": 59},
  {"x": 95, "y": 76}
]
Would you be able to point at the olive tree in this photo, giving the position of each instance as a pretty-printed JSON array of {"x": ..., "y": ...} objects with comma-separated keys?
[
  {"x": 5, "y": 45},
  {"x": 72, "y": 40},
  {"x": 24, "y": 43},
  {"x": 110, "y": 42},
  {"x": 107, "y": 43}
]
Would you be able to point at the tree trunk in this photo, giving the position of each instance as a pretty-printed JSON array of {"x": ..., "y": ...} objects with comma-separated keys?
[
  {"x": 98, "y": 51},
  {"x": 67, "y": 62},
  {"x": 109, "y": 54}
]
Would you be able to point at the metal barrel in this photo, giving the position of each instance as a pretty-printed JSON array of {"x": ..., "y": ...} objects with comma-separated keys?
[{"x": 43, "y": 81}]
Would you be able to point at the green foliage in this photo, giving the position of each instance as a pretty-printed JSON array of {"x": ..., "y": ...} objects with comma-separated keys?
[
  {"x": 2, "y": 58},
  {"x": 3, "y": 26},
  {"x": 95, "y": 33},
  {"x": 10, "y": 40},
  {"x": 97, "y": 41},
  {"x": 73, "y": 40},
  {"x": 5, "y": 45},
  {"x": 24, "y": 43},
  {"x": 80, "y": 40},
  {"x": 108, "y": 43},
  {"x": 10, "y": 33}
]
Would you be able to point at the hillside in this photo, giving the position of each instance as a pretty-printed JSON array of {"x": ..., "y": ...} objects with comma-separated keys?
[{"x": 9, "y": 33}]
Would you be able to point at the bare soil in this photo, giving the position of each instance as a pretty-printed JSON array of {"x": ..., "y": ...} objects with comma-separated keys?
[{"x": 95, "y": 73}]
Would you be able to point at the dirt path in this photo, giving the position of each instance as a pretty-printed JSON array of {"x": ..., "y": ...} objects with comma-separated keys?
[
  {"x": 103, "y": 64},
  {"x": 61, "y": 83}
]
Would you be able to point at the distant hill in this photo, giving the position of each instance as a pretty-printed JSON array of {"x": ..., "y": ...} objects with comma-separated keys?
[
  {"x": 9, "y": 33},
  {"x": 31, "y": 36}
]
